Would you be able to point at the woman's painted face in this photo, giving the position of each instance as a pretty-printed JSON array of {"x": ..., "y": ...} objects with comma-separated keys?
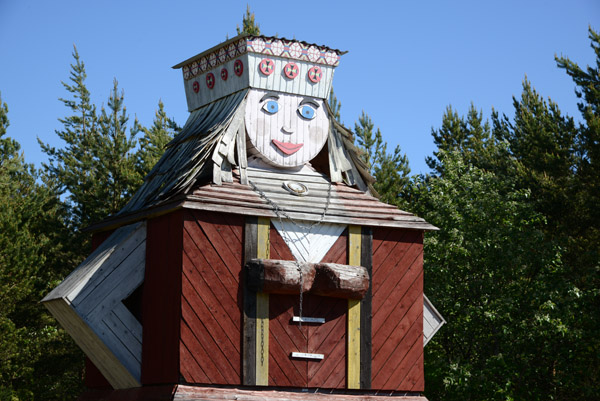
[{"x": 285, "y": 130}]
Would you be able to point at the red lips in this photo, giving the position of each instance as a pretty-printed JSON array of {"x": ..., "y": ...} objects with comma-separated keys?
[{"x": 287, "y": 148}]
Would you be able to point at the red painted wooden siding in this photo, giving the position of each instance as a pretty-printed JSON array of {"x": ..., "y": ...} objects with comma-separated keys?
[
  {"x": 397, "y": 325},
  {"x": 162, "y": 299},
  {"x": 211, "y": 298},
  {"x": 328, "y": 339}
]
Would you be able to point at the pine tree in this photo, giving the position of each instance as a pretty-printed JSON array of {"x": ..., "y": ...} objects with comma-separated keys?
[
  {"x": 74, "y": 166},
  {"x": 38, "y": 360},
  {"x": 116, "y": 160},
  {"x": 154, "y": 140},
  {"x": 335, "y": 106},
  {"x": 249, "y": 25},
  {"x": 96, "y": 168},
  {"x": 391, "y": 171}
]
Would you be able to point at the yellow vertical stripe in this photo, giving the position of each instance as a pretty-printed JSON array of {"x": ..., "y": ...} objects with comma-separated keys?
[
  {"x": 262, "y": 309},
  {"x": 353, "y": 335}
]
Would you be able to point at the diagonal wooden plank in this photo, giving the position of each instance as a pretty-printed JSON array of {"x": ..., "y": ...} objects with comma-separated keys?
[
  {"x": 191, "y": 370},
  {"x": 393, "y": 372},
  {"x": 395, "y": 260},
  {"x": 384, "y": 346},
  {"x": 387, "y": 246},
  {"x": 222, "y": 243},
  {"x": 279, "y": 247},
  {"x": 200, "y": 265},
  {"x": 414, "y": 376},
  {"x": 211, "y": 335},
  {"x": 210, "y": 311},
  {"x": 400, "y": 371},
  {"x": 196, "y": 243},
  {"x": 337, "y": 252},
  {"x": 201, "y": 355},
  {"x": 409, "y": 266}
]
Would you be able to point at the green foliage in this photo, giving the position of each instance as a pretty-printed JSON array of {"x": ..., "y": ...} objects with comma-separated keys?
[
  {"x": 155, "y": 139},
  {"x": 390, "y": 170},
  {"x": 96, "y": 168},
  {"x": 249, "y": 25},
  {"x": 515, "y": 267},
  {"x": 490, "y": 271},
  {"x": 38, "y": 361},
  {"x": 334, "y": 105}
]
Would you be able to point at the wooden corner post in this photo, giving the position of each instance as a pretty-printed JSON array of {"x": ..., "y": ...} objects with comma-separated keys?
[
  {"x": 359, "y": 313},
  {"x": 255, "y": 363}
]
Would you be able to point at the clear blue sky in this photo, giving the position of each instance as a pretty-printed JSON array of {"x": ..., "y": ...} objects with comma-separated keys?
[{"x": 406, "y": 61}]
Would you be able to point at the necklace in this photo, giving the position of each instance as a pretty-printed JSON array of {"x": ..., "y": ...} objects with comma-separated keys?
[{"x": 306, "y": 230}]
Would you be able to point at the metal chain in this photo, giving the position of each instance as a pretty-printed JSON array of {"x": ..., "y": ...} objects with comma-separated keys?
[
  {"x": 262, "y": 342},
  {"x": 281, "y": 213}
]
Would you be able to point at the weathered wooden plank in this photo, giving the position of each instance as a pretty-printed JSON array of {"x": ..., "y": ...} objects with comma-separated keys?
[
  {"x": 366, "y": 257},
  {"x": 382, "y": 326},
  {"x": 202, "y": 255},
  {"x": 73, "y": 284},
  {"x": 208, "y": 335},
  {"x": 353, "y": 357},
  {"x": 287, "y": 338},
  {"x": 414, "y": 375},
  {"x": 249, "y": 323},
  {"x": 111, "y": 293},
  {"x": 264, "y": 211},
  {"x": 385, "y": 348},
  {"x": 125, "y": 335},
  {"x": 203, "y": 357},
  {"x": 432, "y": 320},
  {"x": 102, "y": 357},
  {"x": 384, "y": 300},
  {"x": 262, "y": 308},
  {"x": 204, "y": 307},
  {"x": 413, "y": 342}
]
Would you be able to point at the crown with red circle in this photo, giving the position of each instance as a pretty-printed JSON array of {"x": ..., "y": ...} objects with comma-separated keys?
[{"x": 262, "y": 62}]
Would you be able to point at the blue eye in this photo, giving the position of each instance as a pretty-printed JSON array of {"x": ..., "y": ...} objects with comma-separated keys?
[
  {"x": 271, "y": 107},
  {"x": 307, "y": 111}
]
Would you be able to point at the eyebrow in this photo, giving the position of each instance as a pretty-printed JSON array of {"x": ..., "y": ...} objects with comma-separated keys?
[
  {"x": 269, "y": 95},
  {"x": 309, "y": 101}
]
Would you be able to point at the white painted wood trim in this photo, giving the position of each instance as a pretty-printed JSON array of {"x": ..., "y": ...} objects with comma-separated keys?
[
  {"x": 305, "y": 355},
  {"x": 432, "y": 320}
]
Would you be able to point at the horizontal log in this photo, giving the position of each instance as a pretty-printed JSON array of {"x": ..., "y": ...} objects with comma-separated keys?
[
  {"x": 279, "y": 276},
  {"x": 327, "y": 279},
  {"x": 341, "y": 281}
]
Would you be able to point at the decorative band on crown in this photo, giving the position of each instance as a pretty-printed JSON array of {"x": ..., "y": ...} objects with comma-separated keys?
[{"x": 278, "y": 47}]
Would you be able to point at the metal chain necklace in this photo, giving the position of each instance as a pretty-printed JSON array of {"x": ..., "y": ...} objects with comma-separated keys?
[{"x": 306, "y": 231}]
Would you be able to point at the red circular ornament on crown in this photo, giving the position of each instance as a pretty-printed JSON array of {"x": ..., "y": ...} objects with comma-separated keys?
[
  {"x": 224, "y": 74},
  {"x": 267, "y": 66},
  {"x": 238, "y": 67},
  {"x": 291, "y": 70},
  {"x": 210, "y": 80},
  {"x": 315, "y": 74},
  {"x": 196, "y": 87}
]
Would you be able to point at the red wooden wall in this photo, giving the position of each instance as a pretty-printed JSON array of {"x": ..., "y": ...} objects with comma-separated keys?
[
  {"x": 161, "y": 308},
  {"x": 328, "y": 339},
  {"x": 193, "y": 302},
  {"x": 211, "y": 301},
  {"x": 397, "y": 325}
]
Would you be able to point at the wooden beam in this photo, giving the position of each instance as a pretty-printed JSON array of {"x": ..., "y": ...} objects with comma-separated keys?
[
  {"x": 262, "y": 307},
  {"x": 366, "y": 257},
  {"x": 353, "y": 335},
  {"x": 249, "y": 327}
]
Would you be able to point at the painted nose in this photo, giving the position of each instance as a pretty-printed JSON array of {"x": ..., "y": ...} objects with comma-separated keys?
[{"x": 287, "y": 130}]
